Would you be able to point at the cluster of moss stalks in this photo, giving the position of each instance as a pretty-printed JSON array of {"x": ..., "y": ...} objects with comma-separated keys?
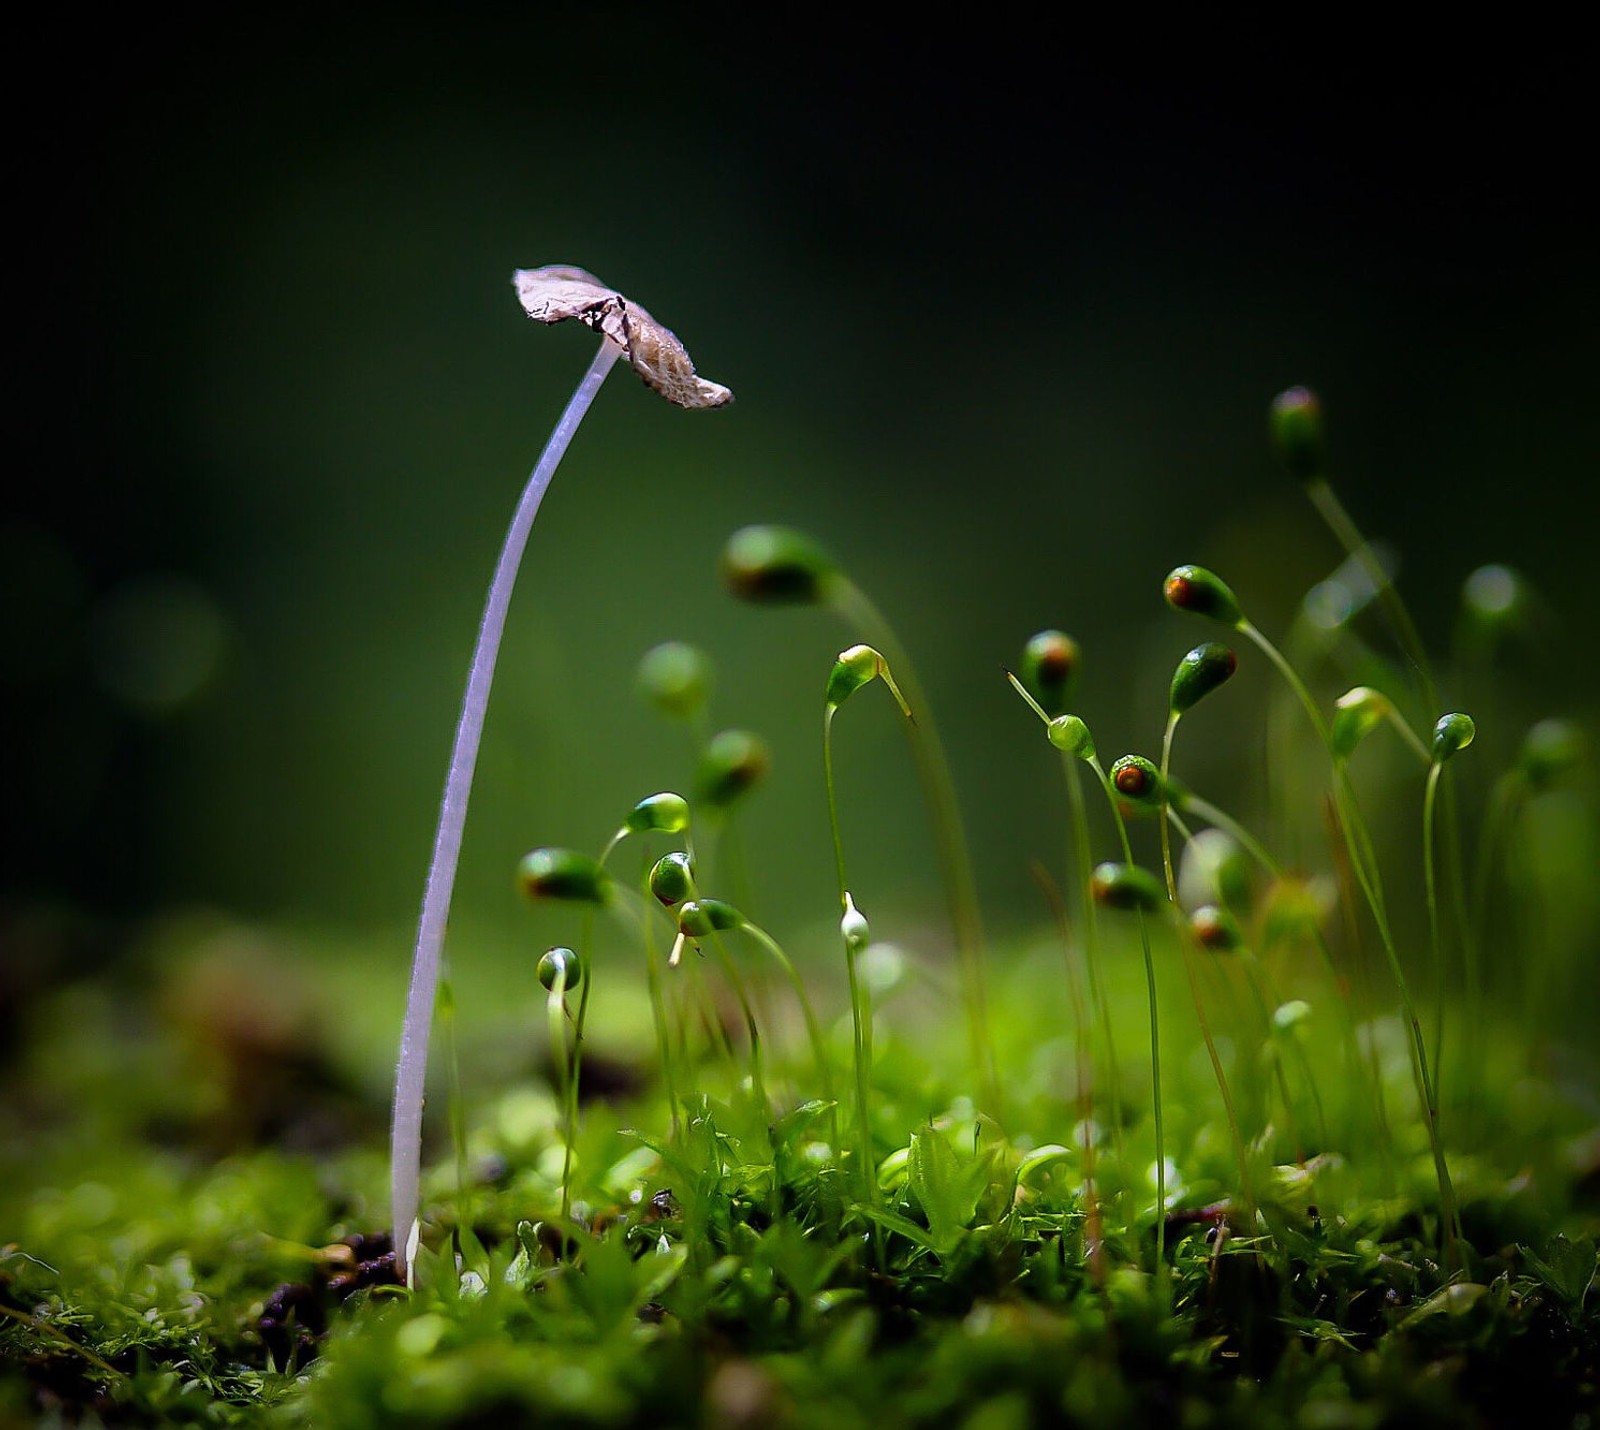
[{"x": 1258, "y": 1130}]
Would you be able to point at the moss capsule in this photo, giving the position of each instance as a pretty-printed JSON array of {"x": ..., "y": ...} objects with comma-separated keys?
[
  {"x": 1294, "y": 911},
  {"x": 665, "y": 813},
  {"x": 1200, "y": 672},
  {"x": 1202, "y": 593},
  {"x": 1137, "y": 783},
  {"x": 1126, "y": 886},
  {"x": 858, "y": 666},
  {"x": 559, "y": 961},
  {"x": 1069, "y": 733},
  {"x": 676, "y": 679},
  {"x": 1494, "y": 597},
  {"x": 1356, "y": 714},
  {"x": 1215, "y": 870},
  {"x": 731, "y": 763},
  {"x": 857, "y": 932},
  {"x": 1049, "y": 668},
  {"x": 563, "y": 874},
  {"x": 1286, "y": 1017},
  {"x": 1297, "y": 432},
  {"x": 1215, "y": 928},
  {"x": 701, "y": 917},
  {"x": 1451, "y": 735},
  {"x": 1549, "y": 750},
  {"x": 672, "y": 878},
  {"x": 777, "y": 566}
]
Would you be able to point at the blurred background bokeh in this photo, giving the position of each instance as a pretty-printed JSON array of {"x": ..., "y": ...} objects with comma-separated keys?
[{"x": 1003, "y": 325}]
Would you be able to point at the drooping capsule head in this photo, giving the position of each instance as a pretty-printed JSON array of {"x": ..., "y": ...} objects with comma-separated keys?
[
  {"x": 1215, "y": 928},
  {"x": 1049, "y": 669},
  {"x": 1356, "y": 714},
  {"x": 563, "y": 874},
  {"x": 1126, "y": 886},
  {"x": 858, "y": 666},
  {"x": 672, "y": 878},
  {"x": 1451, "y": 735},
  {"x": 560, "y": 965},
  {"x": 676, "y": 678},
  {"x": 1200, "y": 672},
  {"x": 1137, "y": 784},
  {"x": 732, "y": 761},
  {"x": 699, "y": 918},
  {"x": 1202, "y": 593},
  {"x": 1069, "y": 733},
  {"x": 1297, "y": 432},
  {"x": 665, "y": 813},
  {"x": 1549, "y": 750},
  {"x": 777, "y": 566}
]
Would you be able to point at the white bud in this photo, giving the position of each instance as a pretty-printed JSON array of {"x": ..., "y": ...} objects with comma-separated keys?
[{"x": 854, "y": 927}]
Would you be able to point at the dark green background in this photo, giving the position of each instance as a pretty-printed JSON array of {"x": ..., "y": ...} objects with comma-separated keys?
[{"x": 1003, "y": 323}]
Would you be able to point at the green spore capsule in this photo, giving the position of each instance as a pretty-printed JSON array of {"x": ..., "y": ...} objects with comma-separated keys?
[
  {"x": 777, "y": 566},
  {"x": 559, "y": 961},
  {"x": 858, "y": 666},
  {"x": 1215, "y": 928},
  {"x": 857, "y": 932},
  {"x": 1549, "y": 750},
  {"x": 1069, "y": 733},
  {"x": 1199, "y": 673},
  {"x": 1294, "y": 911},
  {"x": 1126, "y": 886},
  {"x": 1297, "y": 432},
  {"x": 1215, "y": 869},
  {"x": 1356, "y": 714},
  {"x": 665, "y": 813},
  {"x": 1049, "y": 668},
  {"x": 701, "y": 917},
  {"x": 563, "y": 874},
  {"x": 676, "y": 678},
  {"x": 1451, "y": 735},
  {"x": 1202, "y": 593},
  {"x": 672, "y": 878},
  {"x": 1138, "y": 784},
  {"x": 732, "y": 762},
  {"x": 1494, "y": 596},
  {"x": 1286, "y": 1017}
]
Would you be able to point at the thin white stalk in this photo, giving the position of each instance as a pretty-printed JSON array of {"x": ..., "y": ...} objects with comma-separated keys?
[{"x": 411, "y": 1073}]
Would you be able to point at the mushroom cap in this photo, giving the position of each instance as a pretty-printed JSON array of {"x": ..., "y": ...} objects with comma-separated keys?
[{"x": 555, "y": 293}]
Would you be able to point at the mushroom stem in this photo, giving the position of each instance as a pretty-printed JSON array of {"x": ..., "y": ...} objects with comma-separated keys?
[{"x": 411, "y": 1072}]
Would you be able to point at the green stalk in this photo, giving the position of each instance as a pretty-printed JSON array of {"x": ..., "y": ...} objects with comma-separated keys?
[
  {"x": 1155, "y": 1033},
  {"x": 1332, "y": 511},
  {"x": 1191, "y": 803},
  {"x": 1363, "y": 863},
  {"x": 950, "y": 842},
  {"x": 819, "y": 1049},
  {"x": 860, "y": 1007},
  {"x": 1091, "y": 953},
  {"x": 1426, "y": 1092},
  {"x": 566, "y": 1061},
  {"x": 1431, "y": 890},
  {"x": 1246, "y": 1184}
]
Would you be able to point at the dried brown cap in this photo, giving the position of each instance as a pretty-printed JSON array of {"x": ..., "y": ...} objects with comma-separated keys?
[{"x": 555, "y": 293}]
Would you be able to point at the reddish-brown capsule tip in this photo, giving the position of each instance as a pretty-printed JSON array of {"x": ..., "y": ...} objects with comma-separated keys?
[{"x": 1131, "y": 781}]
